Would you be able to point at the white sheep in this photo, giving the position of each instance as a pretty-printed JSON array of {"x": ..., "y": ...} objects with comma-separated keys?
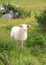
[{"x": 19, "y": 33}]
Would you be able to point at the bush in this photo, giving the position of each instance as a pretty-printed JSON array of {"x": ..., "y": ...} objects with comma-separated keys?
[
  {"x": 42, "y": 18},
  {"x": 8, "y": 7},
  {"x": 21, "y": 11}
]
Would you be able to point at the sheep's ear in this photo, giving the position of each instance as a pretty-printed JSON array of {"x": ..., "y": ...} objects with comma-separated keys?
[
  {"x": 20, "y": 25},
  {"x": 28, "y": 25}
]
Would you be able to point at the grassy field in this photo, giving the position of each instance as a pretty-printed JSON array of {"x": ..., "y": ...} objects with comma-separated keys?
[
  {"x": 34, "y": 51},
  {"x": 29, "y": 4},
  {"x": 31, "y": 54}
]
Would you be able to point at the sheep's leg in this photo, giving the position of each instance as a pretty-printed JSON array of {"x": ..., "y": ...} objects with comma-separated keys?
[{"x": 22, "y": 44}]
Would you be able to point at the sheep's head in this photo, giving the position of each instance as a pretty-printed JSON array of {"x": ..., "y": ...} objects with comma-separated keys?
[{"x": 24, "y": 26}]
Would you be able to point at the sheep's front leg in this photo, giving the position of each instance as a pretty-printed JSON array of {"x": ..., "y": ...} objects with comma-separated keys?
[{"x": 22, "y": 45}]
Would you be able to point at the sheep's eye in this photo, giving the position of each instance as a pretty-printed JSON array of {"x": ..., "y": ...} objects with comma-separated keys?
[{"x": 28, "y": 25}]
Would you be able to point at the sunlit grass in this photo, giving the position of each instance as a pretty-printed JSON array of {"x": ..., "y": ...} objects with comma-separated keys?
[
  {"x": 28, "y": 4},
  {"x": 31, "y": 54},
  {"x": 18, "y": 56}
]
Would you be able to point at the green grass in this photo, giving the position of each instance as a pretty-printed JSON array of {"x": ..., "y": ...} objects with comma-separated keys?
[
  {"x": 34, "y": 51},
  {"x": 32, "y": 55},
  {"x": 29, "y": 4}
]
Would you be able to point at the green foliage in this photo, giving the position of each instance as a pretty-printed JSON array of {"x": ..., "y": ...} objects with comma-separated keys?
[
  {"x": 8, "y": 7},
  {"x": 21, "y": 11},
  {"x": 42, "y": 18}
]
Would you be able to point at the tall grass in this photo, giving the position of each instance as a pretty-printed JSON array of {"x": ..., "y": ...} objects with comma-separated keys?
[
  {"x": 34, "y": 48},
  {"x": 34, "y": 51}
]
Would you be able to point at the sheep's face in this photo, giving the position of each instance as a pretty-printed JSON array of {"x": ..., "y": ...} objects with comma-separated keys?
[{"x": 24, "y": 26}]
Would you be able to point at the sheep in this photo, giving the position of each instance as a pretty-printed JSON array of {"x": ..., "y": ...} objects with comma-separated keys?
[{"x": 19, "y": 33}]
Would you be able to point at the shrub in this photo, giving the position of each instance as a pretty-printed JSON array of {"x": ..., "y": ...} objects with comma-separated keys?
[
  {"x": 21, "y": 11},
  {"x": 8, "y": 7},
  {"x": 42, "y": 18}
]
